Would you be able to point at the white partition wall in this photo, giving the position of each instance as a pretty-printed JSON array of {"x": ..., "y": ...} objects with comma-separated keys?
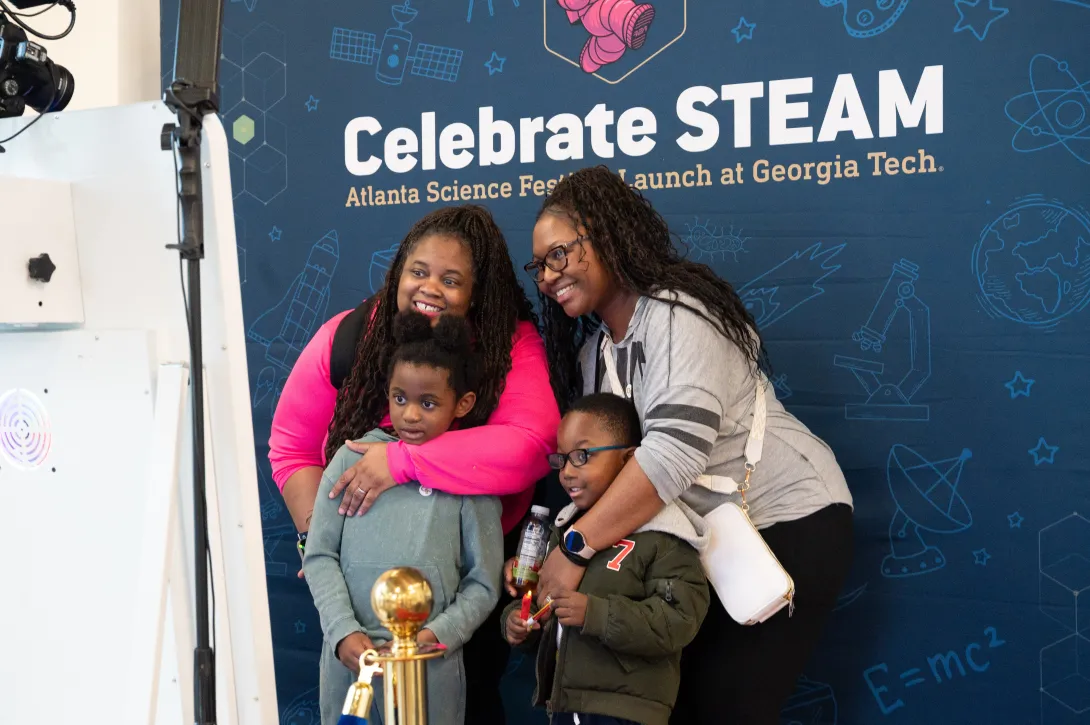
[{"x": 96, "y": 618}]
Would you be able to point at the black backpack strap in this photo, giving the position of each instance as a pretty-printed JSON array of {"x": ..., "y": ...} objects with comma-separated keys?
[{"x": 343, "y": 354}]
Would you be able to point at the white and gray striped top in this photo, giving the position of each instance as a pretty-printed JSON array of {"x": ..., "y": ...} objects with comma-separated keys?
[{"x": 694, "y": 390}]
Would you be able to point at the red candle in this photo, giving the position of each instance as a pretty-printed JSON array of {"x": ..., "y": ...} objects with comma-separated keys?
[{"x": 527, "y": 600}]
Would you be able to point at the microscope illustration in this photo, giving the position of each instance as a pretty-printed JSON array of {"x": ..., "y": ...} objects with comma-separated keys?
[
  {"x": 614, "y": 25},
  {"x": 892, "y": 400}
]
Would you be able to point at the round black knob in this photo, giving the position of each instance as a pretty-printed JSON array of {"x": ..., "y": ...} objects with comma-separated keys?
[{"x": 41, "y": 268}]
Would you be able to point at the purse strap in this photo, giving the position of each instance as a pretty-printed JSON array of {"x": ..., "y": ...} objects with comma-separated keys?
[{"x": 754, "y": 443}]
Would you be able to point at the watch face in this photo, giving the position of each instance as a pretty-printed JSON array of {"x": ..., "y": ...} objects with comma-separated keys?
[{"x": 574, "y": 541}]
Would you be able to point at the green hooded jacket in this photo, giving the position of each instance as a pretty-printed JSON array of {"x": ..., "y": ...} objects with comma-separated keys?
[{"x": 646, "y": 598}]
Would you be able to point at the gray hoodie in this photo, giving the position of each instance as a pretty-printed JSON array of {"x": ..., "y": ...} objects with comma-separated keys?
[{"x": 455, "y": 541}]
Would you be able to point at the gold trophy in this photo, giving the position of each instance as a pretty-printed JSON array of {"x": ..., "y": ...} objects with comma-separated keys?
[{"x": 402, "y": 601}]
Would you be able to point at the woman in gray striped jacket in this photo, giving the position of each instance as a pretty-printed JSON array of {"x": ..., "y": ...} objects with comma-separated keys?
[{"x": 688, "y": 353}]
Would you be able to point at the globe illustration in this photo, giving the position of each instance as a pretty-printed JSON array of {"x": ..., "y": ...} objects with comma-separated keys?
[{"x": 1033, "y": 262}]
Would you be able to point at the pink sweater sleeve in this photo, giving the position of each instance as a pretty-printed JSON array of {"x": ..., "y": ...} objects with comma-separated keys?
[
  {"x": 506, "y": 455},
  {"x": 302, "y": 416}
]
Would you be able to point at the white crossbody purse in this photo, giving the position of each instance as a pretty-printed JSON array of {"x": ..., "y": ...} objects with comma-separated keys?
[{"x": 748, "y": 578}]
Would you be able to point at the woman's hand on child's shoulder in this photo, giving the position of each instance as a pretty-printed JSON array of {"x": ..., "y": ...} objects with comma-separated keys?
[
  {"x": 364, "y": 481},
  {"x": 351, "y": 647},
  {"x": 516, "y": 628}
]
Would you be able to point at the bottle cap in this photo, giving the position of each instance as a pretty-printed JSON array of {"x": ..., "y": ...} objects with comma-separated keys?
[{"x": 540, "y": 511}]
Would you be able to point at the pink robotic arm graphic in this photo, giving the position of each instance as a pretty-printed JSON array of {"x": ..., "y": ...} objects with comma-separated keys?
[{"x": 614, "y": 25}]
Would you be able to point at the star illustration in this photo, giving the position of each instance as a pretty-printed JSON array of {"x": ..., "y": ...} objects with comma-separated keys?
[
  {"x": 1043, "y": 452},
  {"x": 275, "y": 233},
  {"x": 312, "y": 104},
  {"x": 1019, "y": 385},
  {"x": 1015, "y": 520},
  {"x": 300, "y": 626},
  {"x": 977, "y": 16},
  {"x": 744, "y": 31},
  {"x": 981, "y": 556},
  {"x": 495, "y": 64}
]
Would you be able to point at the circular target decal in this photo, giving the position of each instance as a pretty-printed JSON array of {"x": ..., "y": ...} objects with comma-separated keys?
[{"x": 25, "y": 437}]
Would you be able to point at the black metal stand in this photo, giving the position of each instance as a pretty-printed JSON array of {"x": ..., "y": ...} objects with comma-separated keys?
[{"x": 192, "y": 95}]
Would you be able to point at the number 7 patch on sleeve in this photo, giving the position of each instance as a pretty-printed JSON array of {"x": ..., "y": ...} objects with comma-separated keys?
[{"x": 626, "y": 546}]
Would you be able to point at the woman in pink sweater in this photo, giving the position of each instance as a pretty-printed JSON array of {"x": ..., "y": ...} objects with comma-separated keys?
[{"x": 453, "y": 260}]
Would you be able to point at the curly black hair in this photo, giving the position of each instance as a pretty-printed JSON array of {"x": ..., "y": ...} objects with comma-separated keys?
[
  {"x": 634, "y": 243},
  {"x": 498, "y": 304},
  {"x": 616, "y": 414},
  {"x": 445, "y": 347}
]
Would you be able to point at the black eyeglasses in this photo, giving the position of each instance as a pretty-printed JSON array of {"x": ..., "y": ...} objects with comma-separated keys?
[
  {"x": 556, "y": 260},
  {"x": 578, "y": 457}
]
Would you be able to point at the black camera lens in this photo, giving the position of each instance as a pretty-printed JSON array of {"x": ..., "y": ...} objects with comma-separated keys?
[
  {"x": 55, "y": 92},
  {"x": 28, "y": 76},
  {"x": 46, "y": 86}
]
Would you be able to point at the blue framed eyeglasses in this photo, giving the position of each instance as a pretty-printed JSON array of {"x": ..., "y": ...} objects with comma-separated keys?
[{"x": 578, "y": 457}]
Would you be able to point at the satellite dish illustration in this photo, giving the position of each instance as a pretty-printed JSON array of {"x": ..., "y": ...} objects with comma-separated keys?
[{"x": 927, "y": 498}]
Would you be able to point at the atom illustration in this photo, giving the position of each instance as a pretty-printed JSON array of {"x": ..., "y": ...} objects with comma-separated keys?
[
  {"x": 709, "y": 240},
  {"x": 1054, "y": 112}
]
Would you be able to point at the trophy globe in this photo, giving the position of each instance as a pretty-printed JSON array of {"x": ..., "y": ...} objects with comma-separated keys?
[{"x": 402, "y": 600}]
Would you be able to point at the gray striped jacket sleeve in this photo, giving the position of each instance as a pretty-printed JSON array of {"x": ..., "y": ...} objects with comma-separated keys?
[
  {"x": 680, "y": 426},
  {"x": 689, "y": 381}
]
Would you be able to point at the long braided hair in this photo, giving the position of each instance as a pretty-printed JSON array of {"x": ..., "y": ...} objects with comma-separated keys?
[
  {"x": 634, "y": 243},
  {"x": 497, "y": 305}
]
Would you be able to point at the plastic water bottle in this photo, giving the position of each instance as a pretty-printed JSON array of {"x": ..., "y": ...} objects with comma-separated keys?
[{"x": 531, "y": 550}]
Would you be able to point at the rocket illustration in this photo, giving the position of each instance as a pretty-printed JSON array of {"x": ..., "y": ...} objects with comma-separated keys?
[
  {"x": 614, "y": 26},
  {"x": 285, "y": 328}
]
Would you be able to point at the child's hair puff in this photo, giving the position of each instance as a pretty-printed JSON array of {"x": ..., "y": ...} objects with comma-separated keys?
[{"x": 445, "y": 346}]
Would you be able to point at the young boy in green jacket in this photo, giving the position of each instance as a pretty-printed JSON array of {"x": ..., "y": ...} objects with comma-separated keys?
[{"x": 610, "y": 653}]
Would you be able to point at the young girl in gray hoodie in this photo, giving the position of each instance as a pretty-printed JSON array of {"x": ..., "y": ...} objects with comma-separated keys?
[{"x": 455, "y": 541}]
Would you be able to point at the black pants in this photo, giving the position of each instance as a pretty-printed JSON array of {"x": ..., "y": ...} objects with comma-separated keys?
[
  {"x": 738, "y": 675},
  {"x": 567, "y": 718},
  {"x": 485, "y": 656}
]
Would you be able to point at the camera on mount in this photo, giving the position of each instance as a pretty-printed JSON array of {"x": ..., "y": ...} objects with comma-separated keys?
[{"x": 28, "y": 77}]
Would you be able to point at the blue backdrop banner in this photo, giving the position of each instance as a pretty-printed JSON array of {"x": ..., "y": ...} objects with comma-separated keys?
[{"x": 895, "y": 187}]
